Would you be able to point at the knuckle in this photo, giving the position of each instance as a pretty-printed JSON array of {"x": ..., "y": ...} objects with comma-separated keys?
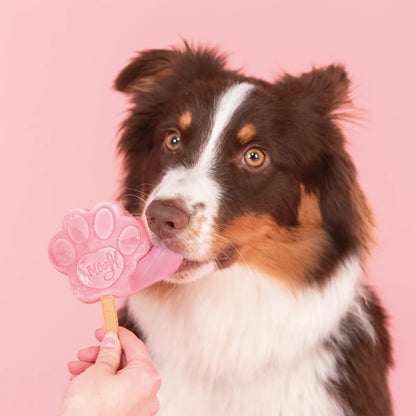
[
  {"x": 153, "y": 386},
  {"x": 157, "y": 381},
  {"x": 154, "y": 407},
  {"x": 154, "y": 379},
  {"x": 107, "y": 358}
]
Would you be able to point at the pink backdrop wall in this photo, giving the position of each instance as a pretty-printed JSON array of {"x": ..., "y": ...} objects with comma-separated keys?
[{"x": 58, "y": 122}]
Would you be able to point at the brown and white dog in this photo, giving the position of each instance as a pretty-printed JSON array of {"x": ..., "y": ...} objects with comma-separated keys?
[{"x": 269, "y": 313}]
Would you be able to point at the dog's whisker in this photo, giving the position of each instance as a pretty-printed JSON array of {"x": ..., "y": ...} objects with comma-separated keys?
[{"x": 138, "y": 197}]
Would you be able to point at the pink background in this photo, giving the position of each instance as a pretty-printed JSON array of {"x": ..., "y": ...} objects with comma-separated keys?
[{"x": 58, "y": 123}]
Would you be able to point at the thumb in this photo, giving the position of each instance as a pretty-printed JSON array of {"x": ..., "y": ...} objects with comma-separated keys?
[{"x": 108, "y": 359}]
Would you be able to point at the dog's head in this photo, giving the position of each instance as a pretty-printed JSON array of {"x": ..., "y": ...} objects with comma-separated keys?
[{"x": 225, "y": 168}]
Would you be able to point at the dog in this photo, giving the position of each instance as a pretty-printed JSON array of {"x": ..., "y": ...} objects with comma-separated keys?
[{"x": 270, "y": 312}]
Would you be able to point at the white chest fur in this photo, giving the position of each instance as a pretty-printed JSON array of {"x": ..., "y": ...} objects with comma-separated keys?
[{"x": 238, "y": 343}]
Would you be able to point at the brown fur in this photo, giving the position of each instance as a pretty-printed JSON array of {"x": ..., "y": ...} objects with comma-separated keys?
[
  {"x": 363, "y": 364},
  {"x": 297, "y": 218}
]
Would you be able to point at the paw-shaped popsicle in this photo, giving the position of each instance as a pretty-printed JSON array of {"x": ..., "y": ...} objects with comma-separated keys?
[{"x": 99, "y": 250}]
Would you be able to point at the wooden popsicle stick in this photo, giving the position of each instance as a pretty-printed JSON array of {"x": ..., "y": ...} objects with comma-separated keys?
[{"x": 110, "y": 314}]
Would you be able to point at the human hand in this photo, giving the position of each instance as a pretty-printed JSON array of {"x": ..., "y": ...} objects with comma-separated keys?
[{"x": 104, "y": 384}]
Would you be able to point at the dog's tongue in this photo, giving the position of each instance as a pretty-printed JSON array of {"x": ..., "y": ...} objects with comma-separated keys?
[{"x": 156, "y": 265}]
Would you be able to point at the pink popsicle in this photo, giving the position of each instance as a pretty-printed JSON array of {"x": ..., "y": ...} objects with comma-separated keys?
[{"x": 107, "y": 252}]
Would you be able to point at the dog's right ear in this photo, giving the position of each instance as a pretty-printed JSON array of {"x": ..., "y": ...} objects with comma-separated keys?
[
  {"x": 145, "y": 71},
  {"x": 161, "y": 70}
]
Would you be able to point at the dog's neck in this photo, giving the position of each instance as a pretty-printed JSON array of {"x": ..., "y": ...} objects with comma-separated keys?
[{"x": 218, "y": 318}]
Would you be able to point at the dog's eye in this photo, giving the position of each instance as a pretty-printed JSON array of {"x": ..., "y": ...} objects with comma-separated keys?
[
  {"x": 254, "y": 158},
  {"x": 172, "y": 141}
]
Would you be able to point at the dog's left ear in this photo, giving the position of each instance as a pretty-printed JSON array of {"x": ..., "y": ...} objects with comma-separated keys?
[
  {"x": 322, "y": 90},
  {"x": 313, "y": 101}
]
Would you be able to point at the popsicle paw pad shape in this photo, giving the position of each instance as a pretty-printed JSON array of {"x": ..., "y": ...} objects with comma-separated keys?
[{"x": 96, "y": 247}]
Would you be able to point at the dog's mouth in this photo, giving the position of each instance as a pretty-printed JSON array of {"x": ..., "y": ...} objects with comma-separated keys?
[
  {"x": 190, "y": 270},
  {"x": 188, "y": 265},
  {"x": 195, "y": 263}
]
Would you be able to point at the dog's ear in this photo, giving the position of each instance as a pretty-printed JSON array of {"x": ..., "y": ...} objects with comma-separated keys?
[
  {"x": 310, "y": 103},
  {"x": 144, "y": 71},
  {"x": 324, "y": 91},
  {"x": 313, "y": 101},
  {"x": 152, "y": 68}
]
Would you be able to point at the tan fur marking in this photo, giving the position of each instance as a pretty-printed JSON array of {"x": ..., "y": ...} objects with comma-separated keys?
[
  {"x": 309, "y": 212},
  {"x": 150, "y": 84},
  {"x": 363, "y": 221},
  {"x": 287, "y": 254},
  {"x": 246, "y": 133},
  {"x": 185, "y": 120}
]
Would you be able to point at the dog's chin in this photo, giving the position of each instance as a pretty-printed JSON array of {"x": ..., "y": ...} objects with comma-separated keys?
[{"x": 191, "y": 270}]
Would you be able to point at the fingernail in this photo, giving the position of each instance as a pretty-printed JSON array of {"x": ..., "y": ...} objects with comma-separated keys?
[{"x": 110, "y": 340}]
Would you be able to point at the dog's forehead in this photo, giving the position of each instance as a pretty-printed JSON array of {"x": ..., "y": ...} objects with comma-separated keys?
[
  {"x": 206, "y": 116},
  {"x": 204, "y": 101},
  {"x": 226, "y": 107}
]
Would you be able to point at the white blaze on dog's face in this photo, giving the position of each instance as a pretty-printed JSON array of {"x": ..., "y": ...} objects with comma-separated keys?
[
  {"x": 196, "y": 190},
  {"x": 227, "y": 169}
]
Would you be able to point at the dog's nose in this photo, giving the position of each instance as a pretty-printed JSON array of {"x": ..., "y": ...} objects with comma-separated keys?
[{"x": 166, "y": 218}]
